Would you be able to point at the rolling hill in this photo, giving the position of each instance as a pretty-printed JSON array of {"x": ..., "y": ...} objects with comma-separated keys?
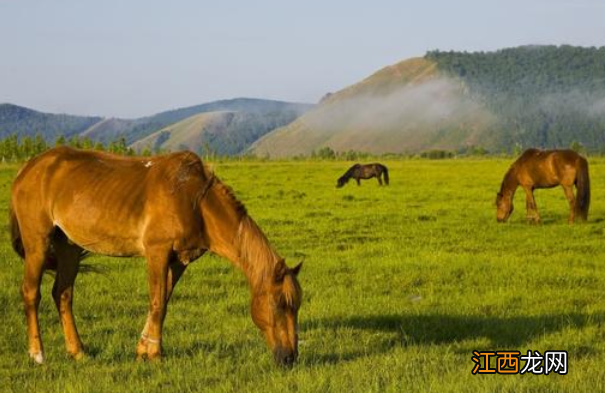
[
  {"x": 246, "y": 119},
  {"x": 136, "y": 129},
  {"x": 224, "y": 132},
  {"x": 24, "y": 121},
  {"x": 544, "y": 96}
]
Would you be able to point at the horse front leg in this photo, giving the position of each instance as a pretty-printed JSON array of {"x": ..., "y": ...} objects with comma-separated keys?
[
  {"x": 68, "y": 262},
  {"x": 175, "y": 271},
  {"x": 157, "y": 271},
  {"x": 532, "y": 210},
  {"x": 568, "y": 190}
]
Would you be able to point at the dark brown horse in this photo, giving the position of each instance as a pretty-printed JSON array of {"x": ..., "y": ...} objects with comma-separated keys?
[
  {"x": 367, "y": 171},
  {"x": 169, "y": 209},
  {"x": 546, "y": 169}
]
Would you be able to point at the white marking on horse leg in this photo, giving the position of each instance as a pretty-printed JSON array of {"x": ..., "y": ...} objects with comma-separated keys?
[{"x": 37, "y": 357}]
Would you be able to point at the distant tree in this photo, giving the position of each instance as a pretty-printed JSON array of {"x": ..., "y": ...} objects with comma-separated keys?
[
  {"x": 326, "y": 153},
  {"x": 118, "y": 146},
  {"x": 75, "y": 142},
  {"x": 86, "y": 143},
  {"x": 577, "y": 147},
  {"x": 40, "y": 144},
  {"x": 60, "y": 141},
  {"x": 26, "y": 148}
]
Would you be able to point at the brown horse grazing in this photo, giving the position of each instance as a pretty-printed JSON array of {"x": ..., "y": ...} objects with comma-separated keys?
[
  {"x": 169, "y": 209},
  {"x": 367, "y": 171},
  {"x": 546, "y": 169}
]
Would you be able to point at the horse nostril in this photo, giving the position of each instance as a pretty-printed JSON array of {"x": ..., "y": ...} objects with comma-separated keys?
[
  {"x": 285, "y": 359},
  {"x": 289, "y": 360}
]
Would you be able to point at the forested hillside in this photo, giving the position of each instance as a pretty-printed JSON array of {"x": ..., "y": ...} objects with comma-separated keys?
[
  {"x": 27, "y": 122},
  {"x": 222, "y": 132},
  {"x": 540, "y": 96},
  {"x": 544, "y": 96},
  {"x": 250, "y": 119}
]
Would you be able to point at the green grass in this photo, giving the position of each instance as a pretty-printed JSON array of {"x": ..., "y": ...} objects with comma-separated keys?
[{"x": 401, "y": 284}]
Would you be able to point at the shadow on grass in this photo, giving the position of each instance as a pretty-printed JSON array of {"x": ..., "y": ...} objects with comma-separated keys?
[{"x": 439, "y": 329}]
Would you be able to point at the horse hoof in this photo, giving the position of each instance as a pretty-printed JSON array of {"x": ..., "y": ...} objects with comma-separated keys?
[
  {"x": 157, "y": 357},
  {"x": 78, "y": 356},
  {"x": 38, "y": 357}
]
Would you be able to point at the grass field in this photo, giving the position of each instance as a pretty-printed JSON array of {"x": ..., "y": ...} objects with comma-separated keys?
[{"x": 401, "y": 284}]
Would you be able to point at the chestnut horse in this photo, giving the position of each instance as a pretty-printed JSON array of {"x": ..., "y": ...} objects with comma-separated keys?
[
  {"x": 169, "y": 209},
  {"x": 367, "y": 171},
  {"x": 546, "y": 169}
]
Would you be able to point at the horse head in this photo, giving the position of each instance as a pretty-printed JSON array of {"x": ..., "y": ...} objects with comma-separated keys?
[
  {"x": 504, "y": 207},
  {"x": 275, "y": 312}
]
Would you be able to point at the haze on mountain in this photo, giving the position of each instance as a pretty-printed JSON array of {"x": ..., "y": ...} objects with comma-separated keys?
[{"x": 540, "y": 96}]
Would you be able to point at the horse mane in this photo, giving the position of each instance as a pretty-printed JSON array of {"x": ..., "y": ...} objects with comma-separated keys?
[
  {"x": 258, "y": 259},
  {"x": 227, "y": 192},
  {"x": 510, "y": 181},
  {"x": 348, "y": 174}
]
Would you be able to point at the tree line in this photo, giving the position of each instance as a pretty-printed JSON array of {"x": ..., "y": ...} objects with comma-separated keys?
[{"x": 14, "y": 148}]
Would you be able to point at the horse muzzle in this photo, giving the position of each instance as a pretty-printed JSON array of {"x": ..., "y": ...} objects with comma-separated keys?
[{"x": 285, "y": 357}]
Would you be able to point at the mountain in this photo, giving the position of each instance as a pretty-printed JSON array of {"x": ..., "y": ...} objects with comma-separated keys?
[
  {"x": 544, "y": 96},
  {"x": 136, "y": 129},
  {"x": 225, "y": 132},
  {"x": 23, "y": 121},
  {"x": 246, "y": 119}
]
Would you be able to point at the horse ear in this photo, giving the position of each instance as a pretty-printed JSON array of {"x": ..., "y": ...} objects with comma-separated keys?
[
  {"x": 280, "y": 271},
  {"x": 296, "y": 269}
]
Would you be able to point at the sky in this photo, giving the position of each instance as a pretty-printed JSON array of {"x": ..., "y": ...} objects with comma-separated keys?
[{"x": 131, "y": 58}]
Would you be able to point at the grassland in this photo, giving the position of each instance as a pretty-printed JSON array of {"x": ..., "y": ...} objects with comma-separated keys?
[{"x": 401, "y": 284}]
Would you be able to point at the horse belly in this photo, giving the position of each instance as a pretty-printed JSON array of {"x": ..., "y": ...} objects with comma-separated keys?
[{"x": 99, "y": 240}]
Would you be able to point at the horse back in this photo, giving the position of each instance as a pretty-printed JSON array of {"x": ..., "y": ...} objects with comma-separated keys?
[
  {"x": 110, "y": 204},
  {"x": 547, "y": 168}
]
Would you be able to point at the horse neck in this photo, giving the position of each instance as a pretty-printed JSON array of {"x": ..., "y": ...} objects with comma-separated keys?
[
  {"x": 234, "y": 235},
  {"x": 510, "y": 182},
  {"x": 257, "y": 259}
]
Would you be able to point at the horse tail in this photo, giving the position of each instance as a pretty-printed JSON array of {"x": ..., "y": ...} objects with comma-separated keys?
[
  {"x": 15, "y": 232},
  {"x": 386, "y": 175},
  {"x": 583, "y": 193}
]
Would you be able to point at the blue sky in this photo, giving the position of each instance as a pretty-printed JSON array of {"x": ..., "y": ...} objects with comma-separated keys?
[{"x": 132, "y": 58}]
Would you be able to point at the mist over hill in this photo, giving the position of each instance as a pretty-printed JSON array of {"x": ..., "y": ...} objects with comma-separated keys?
[
  {"x": 530, "y": 96},
  {"x": 542, "y": 96}
]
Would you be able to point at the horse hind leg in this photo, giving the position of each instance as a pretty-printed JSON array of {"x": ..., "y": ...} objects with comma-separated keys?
[
  {"x": 379, "y": 180},
  {"x": 568, "y": 190},
  {"x": 36, "y": 247},
  {"x": 68, "y": 262}
]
